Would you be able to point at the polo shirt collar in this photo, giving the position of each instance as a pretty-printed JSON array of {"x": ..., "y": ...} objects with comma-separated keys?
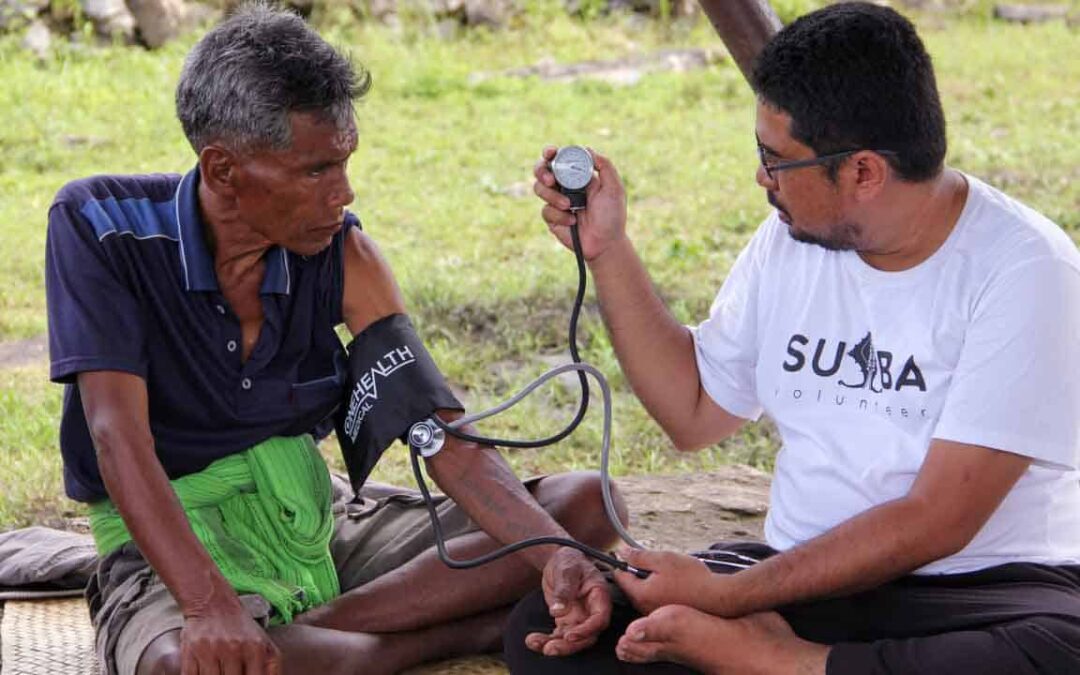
[{"x": 195, "y": 259}]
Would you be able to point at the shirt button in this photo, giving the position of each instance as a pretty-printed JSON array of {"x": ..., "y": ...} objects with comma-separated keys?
[
  {"x": 220, "y": 309},
  {"x": 231, "y": 345},
  {"x": 245, "y": 384}
]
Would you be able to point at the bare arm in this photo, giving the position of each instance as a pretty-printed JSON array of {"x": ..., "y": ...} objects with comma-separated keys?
[
  {"x": 476, "y": 477},
  {"x": 957, "y": 490},
  {"x": 654, "y": 350},
  {"x": 217, "y": 628}
]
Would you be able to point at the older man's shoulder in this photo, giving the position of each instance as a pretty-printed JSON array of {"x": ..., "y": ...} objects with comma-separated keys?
[{"x": 154, "y": 187}]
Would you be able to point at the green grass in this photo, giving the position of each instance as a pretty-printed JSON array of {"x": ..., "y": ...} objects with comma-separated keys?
[{"x": 435, "y": 175}]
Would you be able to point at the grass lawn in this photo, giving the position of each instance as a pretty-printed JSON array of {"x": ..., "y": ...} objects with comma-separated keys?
[{"x": 443, "y": 183}]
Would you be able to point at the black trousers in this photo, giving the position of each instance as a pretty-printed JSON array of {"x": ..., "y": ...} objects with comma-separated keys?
[{"x": 1015, "y": 619}]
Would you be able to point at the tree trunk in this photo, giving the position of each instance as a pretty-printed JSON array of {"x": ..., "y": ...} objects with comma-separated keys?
[{"x": 744, "y": 26}]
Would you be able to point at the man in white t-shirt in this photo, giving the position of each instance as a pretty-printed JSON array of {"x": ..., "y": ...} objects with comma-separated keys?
[{"x": 915, "y": 335}]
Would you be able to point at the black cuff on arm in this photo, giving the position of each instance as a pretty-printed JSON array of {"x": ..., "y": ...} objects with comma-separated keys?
[{"x": 392, "y": 384}]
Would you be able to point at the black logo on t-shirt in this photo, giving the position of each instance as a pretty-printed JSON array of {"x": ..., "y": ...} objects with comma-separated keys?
[{"x": 875, "y": 366}]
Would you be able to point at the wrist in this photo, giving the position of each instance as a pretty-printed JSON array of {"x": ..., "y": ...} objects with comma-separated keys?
[
  {"x": 610, "y": 255},
  {"x": 722, "y": 596},
  {"x": 547, "y": 554},
  {"x": 216, "y": 596}
]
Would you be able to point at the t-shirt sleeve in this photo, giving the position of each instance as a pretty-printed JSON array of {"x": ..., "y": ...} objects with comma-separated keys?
[
  {"x": 726, "y": 344},
  {"x": 95, "y": 321},
  {"x": 336, "y": 287},
  {"x": 1016, "y": 385}
]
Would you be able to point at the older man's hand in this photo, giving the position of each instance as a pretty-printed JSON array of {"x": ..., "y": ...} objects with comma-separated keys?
[{"x": 578, "y": 599}]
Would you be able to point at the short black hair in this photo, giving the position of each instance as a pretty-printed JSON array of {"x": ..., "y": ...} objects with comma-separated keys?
[
  {"x": 244, "y": 77},
  {"x": 856, "y": 76}
]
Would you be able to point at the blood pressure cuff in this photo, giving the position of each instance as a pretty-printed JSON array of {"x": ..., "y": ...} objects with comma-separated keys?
[{"x": 392, "y": 384}]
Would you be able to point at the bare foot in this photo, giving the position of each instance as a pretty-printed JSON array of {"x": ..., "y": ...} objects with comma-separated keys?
[{"x": 757, "y": 644}]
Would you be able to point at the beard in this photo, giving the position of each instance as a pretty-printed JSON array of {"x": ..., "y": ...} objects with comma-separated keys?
[{"x": 842, "y": 235}]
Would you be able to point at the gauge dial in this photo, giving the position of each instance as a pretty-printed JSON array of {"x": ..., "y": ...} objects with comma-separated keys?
[{"x": 573, "y": 167}]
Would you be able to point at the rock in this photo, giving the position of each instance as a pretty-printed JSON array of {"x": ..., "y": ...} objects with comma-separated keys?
[
  {"x": 1030, "y": 13},
  {"x": 443, "y": 8},
  {"x": 17, "y": 13},
  {"x": 492, "y": 13},
  {"x": 447, "y": 29},
  {"x": 616, "y": 71},
  {"x": 111, "y": 18},
  {"x": 159, "y": 20},
  {"x": 37, "y": 39},
  {"x": 382, "y": 10}
]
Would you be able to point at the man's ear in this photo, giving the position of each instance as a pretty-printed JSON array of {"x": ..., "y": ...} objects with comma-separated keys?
[
  {"x": 218, "y": 170},
  {"x": 871, "y": 173}
]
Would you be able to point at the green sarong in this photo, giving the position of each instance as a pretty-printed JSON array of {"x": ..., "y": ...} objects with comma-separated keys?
[{"x": 264, "y": 516}]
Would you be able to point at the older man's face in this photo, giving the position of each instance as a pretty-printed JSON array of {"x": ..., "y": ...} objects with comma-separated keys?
[{"x": 296, "y": 198}]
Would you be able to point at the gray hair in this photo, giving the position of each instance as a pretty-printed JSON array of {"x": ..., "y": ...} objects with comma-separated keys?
[{"x": 245, "y": 76}]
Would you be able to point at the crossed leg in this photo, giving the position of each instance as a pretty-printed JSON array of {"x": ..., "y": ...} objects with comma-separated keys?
[{"x": 422, "y": 610}]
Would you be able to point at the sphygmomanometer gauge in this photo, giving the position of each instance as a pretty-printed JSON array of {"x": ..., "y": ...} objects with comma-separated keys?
[{"x": 573, "y": 169}]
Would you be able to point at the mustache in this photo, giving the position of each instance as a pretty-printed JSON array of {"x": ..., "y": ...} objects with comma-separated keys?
[{"x": 771, "y": 196}]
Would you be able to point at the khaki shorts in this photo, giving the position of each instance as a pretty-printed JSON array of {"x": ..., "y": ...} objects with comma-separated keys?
[{"x": 131, "y": 607}]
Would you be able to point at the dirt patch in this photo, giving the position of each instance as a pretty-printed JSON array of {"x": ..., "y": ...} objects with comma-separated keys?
[
  {"x": 690, "y": 512},
  {"x": 21, "y": 352}
]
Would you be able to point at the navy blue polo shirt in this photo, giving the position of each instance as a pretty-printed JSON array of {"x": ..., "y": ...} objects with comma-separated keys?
[{"x": 131, "y": 287}]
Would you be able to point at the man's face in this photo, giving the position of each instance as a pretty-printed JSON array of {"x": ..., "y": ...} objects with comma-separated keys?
[
  {"x": 807, "y": 201},
  {"x": 296, "y": 197}
]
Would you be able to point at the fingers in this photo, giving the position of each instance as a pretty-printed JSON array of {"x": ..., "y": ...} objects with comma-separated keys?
[
  {"x": 273, "y": 661},
  {"x": 557, "y": 217},
  {"x": 536, "y": 641},
  {"x": 552, "y": 196},
  {"x": 542, "y": 170},
  {"x": 607, "y": 174},
  {"x": 638, "y": 558},
  {"x": 259, "y": 658},
  {"x": 234, "y": 666},
  {"x": 598, "y": 604},
  {"x": 551, "y": 645},
  {"x": 565, "y": 584},
  {"x": 256, "y": 655},
  {"x": 188, "y": 664}
]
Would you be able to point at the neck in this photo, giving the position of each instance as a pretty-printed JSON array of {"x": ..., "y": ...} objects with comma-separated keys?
[
  {"x": 915, "y": 221},
  {"x": 235, "y": 245}
]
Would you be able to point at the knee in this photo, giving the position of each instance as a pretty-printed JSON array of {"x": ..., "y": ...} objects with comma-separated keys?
[
  {"x": 1052, "y": 642},
  {"x": 579, "y": 507},
  {"x": 160, "y": 659}
]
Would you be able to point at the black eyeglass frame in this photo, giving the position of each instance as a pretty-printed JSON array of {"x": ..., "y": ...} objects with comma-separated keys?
[{"x": 770, "y": 169}]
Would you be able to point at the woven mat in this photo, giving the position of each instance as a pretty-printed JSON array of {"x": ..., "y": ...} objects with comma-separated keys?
[
  {"x": 47, "y": 637},
  {"x": 54, "y": 637}
]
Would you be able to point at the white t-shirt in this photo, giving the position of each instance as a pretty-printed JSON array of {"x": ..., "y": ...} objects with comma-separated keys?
[{"x": 860, "y": 369}]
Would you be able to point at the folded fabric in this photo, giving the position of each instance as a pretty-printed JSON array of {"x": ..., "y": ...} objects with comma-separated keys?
[
  {"x": 264, "y": 516},
  {"x": 40, "y": 562}
]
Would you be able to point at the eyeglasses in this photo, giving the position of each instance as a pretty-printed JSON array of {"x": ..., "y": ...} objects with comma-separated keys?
[{"x": 771, "y": 169}]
